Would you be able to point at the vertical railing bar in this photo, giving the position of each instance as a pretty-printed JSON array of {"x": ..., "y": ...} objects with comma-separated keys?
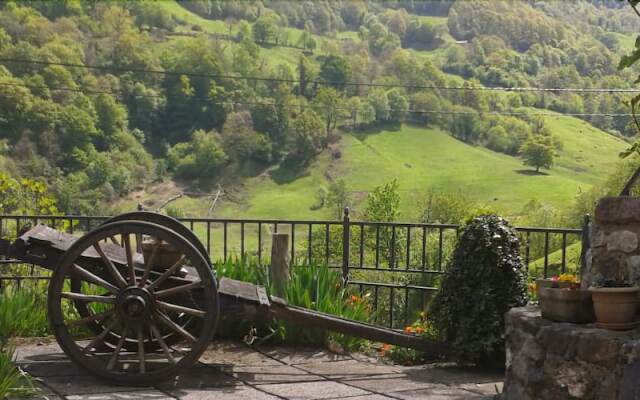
[
  {"x": 375, "y": 303},
  {"x": 392, "y": 261},
  {"x": 309, "y": 245},
  {"x": 408, "y": 247},
  {"x": 275, "y": 227},
  {"x": 526, "y": 251},
  {"x": 424, "y": 248},
  {"x": 191, "y": 225},
  {"x": 440, "y": 249},
  {"x": 546, "y": 253},
  {"x": 71, "y": 225},
  {"x": 377, "y": 246},
  {"x": 209, "y": 238},
  {"x": 564, "y": 252},
  {"x": 406, "y": 306},
  {"x": 326, "y": 243},
  {"x": 259, "y": 243},
  {"x": 224, "y": 241},
  {"x": 242, "y": 240},
  {"x": 293, "y": 243},
  {"x": 391, "y": 302},
  {"x": 361, "y": 260}
]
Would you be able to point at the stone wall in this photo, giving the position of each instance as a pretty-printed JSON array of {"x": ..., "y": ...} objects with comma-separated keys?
[
  {"x": 614, "y": 253},
  {"x": 550, "y": 360}
]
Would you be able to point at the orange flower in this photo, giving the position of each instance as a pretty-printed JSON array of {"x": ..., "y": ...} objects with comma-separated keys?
[
  {"x": 419, "y": 330},
  {"x": 383, "y": 350},
  {"x": 408, "y": 329}
]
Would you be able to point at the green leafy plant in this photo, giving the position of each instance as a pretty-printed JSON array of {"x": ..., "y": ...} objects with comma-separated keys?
[
  {"x": 23, "y": 311},
  {"x": 13, "y": 382},
  {"x": 484, "y": 279}
]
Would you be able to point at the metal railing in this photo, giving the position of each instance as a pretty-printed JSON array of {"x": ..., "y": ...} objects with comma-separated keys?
[{"x": 398, "y": 264}]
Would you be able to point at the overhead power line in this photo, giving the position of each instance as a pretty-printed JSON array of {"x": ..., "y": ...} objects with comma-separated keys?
[
  {"x": 322, "y": 82},
  {"x": 317, "y": 106}
]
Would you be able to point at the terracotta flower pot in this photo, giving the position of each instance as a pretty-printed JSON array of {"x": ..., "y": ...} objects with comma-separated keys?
[
  {"x": 165, "y": 257},
  {"x": 566, "y": 305},
  {"x": 615, "y": 308}
]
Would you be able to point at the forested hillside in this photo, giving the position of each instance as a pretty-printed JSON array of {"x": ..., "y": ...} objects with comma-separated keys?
[{"x": 280, "y": 107}]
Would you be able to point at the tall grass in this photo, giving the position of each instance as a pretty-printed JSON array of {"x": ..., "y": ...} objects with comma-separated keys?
[
  {"x": 12, "y": 382},
  {"x": 23, "y": 311}
]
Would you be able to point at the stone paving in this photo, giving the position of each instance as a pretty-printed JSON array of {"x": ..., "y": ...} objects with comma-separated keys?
[{"x": 234, "y": 371}]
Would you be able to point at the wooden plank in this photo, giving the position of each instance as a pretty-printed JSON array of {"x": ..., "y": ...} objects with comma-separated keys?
[{"x": 243, "y": 291}]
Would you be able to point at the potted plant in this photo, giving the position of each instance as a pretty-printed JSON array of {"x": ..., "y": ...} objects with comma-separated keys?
[
  {"x": 564, "y": 301},
  {"x": 615, "y": 304}
]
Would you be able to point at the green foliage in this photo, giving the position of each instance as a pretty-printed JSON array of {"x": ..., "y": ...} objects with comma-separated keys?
[
  {"x": 483, "y": 280},
  {"x": 383, "y": 203},
  {"x": 23, "y": 312},
  {"x": 25, "y": 196},
  {"x": 13, "y": 384},
  {"x": 336, "y": 70},
  {"x": 310, "y": 137},
  {"x": 203, "y": 157},
  {"x": 337, "y": 198},
  {"x": 538, "y": 152}
]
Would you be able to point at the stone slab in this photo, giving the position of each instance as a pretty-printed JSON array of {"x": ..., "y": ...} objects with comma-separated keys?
[
  {"x": 235, "y": 393},
  {"x": 200, "y": 376},
  {"x": 389, "y": 384},
  {"x": 84, "y": 384},
  {"x": 272, "y": 374},
  {"x": 301, "y": 355},
  {"x": 312, "y": 390},
  {"x": 440, "y": 393},
  {"x": 233, "y": 354},
  {"x": 350, "y": 369},
  {"x": 139, "y": 395}
]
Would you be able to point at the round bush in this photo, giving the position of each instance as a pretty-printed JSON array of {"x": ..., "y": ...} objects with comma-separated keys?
[{"x": 484, "y": 279}]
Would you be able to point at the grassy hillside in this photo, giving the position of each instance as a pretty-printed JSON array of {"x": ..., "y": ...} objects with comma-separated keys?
[{"x": 424, "y": 159}]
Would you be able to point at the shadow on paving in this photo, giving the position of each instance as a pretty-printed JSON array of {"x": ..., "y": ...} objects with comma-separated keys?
[{"x": 230, "y": 371}]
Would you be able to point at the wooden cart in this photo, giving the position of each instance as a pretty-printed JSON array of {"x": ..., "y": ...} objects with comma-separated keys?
[{"x": 135, "y": 301}]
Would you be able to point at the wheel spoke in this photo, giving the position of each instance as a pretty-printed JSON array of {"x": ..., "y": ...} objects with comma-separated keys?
[
  {"x": 88, "y": 297},
  {"x": 178, "y": 289},
  {"x": 175, "y": 327},
  {"x": 141, "y": 351},
  {"x": 163, "y": 344},
  {"x": 127, "y": 248},
  {"x": 116, "y": 351},
  {"x": 182, "y": 309},
  {"x": 149, "y": 263},
  {"x": 88, "y": 276},
  {"x": 91, "y": 318},
  {"x": 170, "y": 271},
  {"x": 100, "y": 338},
  {"x": 109, "y": 264}
]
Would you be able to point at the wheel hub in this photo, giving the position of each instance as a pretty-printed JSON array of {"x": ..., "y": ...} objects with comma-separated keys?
[{"x": 134, "y": 304}]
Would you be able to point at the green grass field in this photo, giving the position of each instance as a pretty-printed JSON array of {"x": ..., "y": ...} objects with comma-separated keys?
[{"x": 423, "y": 160}]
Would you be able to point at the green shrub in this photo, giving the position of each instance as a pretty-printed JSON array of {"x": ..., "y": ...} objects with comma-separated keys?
[
  {"x": 23, "y": 311},
  {"x": 484, "y": 279}
]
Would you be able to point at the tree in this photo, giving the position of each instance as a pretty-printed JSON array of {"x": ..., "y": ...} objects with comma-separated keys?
[
  {"x": 335, "y": 69},
  {"x": 398, "y": 105},
  {"x": 112, "y": 117},
  {"x": 265, "y": 29},
  {"x": 538, "y": 152},
  {"x": 328, "y": 101},
  {"x": 203, "y": 157},
  {"x": 310, "y": 137},
  {"x": 383, "y": 205},
  {"x": 337, "y": 198}
]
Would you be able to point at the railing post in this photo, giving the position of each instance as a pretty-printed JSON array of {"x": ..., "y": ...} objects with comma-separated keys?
[
  {"x": 345, "y": 246},
  {"x": 279, "y": 271},
  {"x": 586, "y": 242}
]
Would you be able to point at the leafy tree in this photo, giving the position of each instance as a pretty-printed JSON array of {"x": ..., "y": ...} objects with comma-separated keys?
[
  {"x": 380, "y": 102},
  {"x": 112, "y": 117},
  {"x": 327, "y": 101},
  {"x": 25, "y": 196},
  {"x": 335, "y": 69},
  {"x": 310, "y": 137},
  {"x": 265, "y": 29},
  {"x": 203, "y": 157},
  {"x": 337, "y": 198},
  {"x": 538, "y": 152},
  {"x": 241, "y": 142},
  {"x": 383, "y": 205},
  {"x": 398, "y": 105}
]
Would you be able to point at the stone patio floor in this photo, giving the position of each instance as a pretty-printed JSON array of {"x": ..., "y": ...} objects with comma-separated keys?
[{"x": 234, "y": 371}]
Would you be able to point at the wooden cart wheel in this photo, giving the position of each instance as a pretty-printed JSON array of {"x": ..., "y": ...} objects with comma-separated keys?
[
  {"x": 185, "y": 321},
  {"x": 135, "y": 302}
]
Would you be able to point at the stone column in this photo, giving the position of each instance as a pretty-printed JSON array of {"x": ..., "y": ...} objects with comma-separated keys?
[{"x": 614, "y": 253}]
